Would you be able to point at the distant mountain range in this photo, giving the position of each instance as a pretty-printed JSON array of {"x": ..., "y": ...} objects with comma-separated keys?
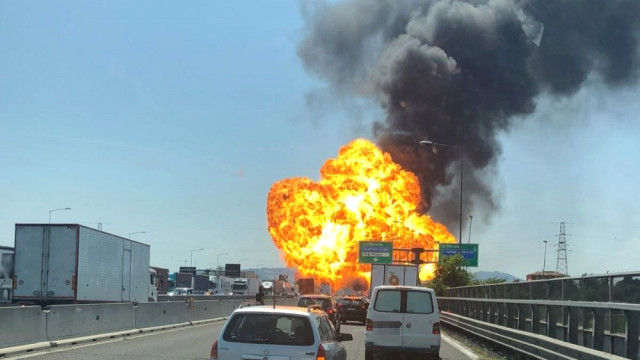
[{"x": 485, "y": 275}]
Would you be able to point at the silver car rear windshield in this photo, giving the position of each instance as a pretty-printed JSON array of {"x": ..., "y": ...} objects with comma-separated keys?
[{"x": 269, "y": 329}]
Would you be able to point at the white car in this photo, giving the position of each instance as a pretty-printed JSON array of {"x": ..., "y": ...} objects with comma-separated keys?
[
  {"x": 402, "y": 320},
  {"x": 280, "y": 332}
]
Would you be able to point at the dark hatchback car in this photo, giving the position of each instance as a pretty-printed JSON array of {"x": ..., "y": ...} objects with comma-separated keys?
[
  {"x": 353, "y": 308},
  {"x": 326, "y": 302}
]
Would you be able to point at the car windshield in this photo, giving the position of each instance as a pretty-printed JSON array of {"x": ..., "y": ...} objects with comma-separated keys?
[{"x": 269, "y": 329}]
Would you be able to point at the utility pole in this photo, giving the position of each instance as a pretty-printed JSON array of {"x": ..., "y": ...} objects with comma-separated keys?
[
  {"x": 561, "y": 263},
  {"x": 544, "y": 261}
]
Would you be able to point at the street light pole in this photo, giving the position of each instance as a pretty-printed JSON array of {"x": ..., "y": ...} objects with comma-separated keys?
[
  {"x": 50, "y": 211},
  {"x": 544, "y": 261},
  {"x": 192, "y": 250},
  {"x": 470, "y": 221},
  {"x": 427, "y": 142},
  {"x": 136, "y": 232}
]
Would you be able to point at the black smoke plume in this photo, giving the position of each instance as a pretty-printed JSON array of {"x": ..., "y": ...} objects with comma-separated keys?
[{"x": 460, "y": 72}]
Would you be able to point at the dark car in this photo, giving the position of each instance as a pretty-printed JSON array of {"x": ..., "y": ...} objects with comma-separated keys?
[
  {"x": 326, "y": 302},
  {"x": 353, "y": 308}
]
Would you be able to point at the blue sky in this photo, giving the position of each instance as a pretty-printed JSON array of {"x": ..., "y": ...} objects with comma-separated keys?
[{"x": 176, "y": 120}]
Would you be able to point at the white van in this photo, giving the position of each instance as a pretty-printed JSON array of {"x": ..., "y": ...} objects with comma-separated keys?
[{"x": 402, "y": 319}]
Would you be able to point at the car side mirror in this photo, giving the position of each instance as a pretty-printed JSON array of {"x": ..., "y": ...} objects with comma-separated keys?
[{"x": 345, "y": 337}]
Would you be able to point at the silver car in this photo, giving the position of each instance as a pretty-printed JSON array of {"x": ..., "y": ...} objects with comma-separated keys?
[{"x": 281, "y": 332}]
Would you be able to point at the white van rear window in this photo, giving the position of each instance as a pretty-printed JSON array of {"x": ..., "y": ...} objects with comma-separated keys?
[
  {"x": 419, "y": 302},
  {"x": 405, "y": 301},
  {"x": 388, "y": 300}
]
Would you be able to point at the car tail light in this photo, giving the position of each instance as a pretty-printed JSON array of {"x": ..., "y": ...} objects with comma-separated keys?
[
  {"x": 369, "y": 325},
  {"x": 362, "y": 307},
  {"x": 436, "y": 328},
  {"x": 321, "y": 355},
  {"x": 214, "y": 351},
  {"x": 330, "y": 311}
]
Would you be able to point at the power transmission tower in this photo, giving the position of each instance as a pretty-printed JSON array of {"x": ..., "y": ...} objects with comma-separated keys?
[{"x": 561, "y": 266}]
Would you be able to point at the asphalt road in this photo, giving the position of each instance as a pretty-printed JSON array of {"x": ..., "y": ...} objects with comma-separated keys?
[{"x": 193, "y": 342}]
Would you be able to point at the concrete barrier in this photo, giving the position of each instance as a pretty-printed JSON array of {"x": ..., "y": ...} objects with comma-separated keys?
[
  {"x": 228, "y": 306},
  {"x": 160, "y": 313},
  {"x": 21, "y": 325},
  {"x": 67, "y": 321},
  {"x": 204, "y": 310}
]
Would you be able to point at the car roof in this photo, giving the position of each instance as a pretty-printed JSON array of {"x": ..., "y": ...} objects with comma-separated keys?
[
  {"x": 279, "y": 309},
  {"x": 316, "y": 296},
  {"x": 402, "y": 287}
]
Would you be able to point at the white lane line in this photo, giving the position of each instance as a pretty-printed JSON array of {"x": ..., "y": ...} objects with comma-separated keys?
[{"x": 462, "y": 349}]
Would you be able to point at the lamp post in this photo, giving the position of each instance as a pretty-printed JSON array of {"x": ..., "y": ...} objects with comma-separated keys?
[
  {"x": 427, "y": 142},
  {"x": 50, "y": 211},
  {"x": 470, "y": 221},
  {"x": 192, "y": 250},
  {"x": 136, "y": 232},
  {"x": 544, "y": 261}
]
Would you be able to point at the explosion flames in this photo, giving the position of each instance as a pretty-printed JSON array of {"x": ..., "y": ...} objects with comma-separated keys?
[{"x": 362, "y": 195}]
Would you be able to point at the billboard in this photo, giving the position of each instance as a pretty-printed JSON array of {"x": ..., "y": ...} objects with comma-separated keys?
[{"x": 232, "y": 270}]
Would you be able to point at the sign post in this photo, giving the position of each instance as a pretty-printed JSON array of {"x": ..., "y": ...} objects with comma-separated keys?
[
  {"x": 375, "y": 252},
  {"x": 469, "y": 253}
]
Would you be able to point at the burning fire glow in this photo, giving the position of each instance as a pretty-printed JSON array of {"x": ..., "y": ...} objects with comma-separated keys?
[{"x": 362, "y": 195}]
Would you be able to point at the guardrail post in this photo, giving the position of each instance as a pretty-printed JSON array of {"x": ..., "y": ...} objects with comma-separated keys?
[
  {"x": 535, "y": 319},
  {"x": 493, "y": 309},
  {"x": 598, "y": 329},
  {"x": 552, "y": 321},
  {"x": 573, "y": 324},
  {"x": 522, "y": 317},
  {"x": 631, "y": 339}
]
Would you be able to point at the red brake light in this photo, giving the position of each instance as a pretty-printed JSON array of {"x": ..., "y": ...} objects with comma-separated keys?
[
  {"x": 321, "y": 355},
  {"x": 214, "y": 351},
  {"x": 436, "y": 328},
  {"x": 330, "y": 311},
  {"x": 369, "y": 325},
  {"x": 362, "y": 307}
]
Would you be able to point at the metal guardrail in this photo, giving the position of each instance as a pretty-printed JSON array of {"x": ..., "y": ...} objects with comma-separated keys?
[{"x": 607, "y": 328}]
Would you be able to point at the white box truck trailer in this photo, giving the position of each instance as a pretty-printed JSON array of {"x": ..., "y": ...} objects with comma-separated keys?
[
  {"x": 71, "y": 263},
  {"x": 393, "y": 274}
]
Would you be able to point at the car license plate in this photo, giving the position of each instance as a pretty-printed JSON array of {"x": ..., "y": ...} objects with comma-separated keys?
[{"x": 351, "y": 309}]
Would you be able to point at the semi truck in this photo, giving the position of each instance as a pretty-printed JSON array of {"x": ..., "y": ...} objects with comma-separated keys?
[
  {"x": 220, "y": 285},
  {"x": 201, "y": 284},
  {"x": 306, "y": 286},
  {"x": 6, "y": 274},
  {"x": 72, "y": 263},
  {"x": 245, "y": 286},
  {"x": 162, "y": 280},
  {"x": 393, "y": 274}
]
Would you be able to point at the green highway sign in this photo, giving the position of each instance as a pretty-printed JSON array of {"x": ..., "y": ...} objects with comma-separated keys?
[
  {"x": 375, "y": 252},
  {"x": 469, "y": 253}
]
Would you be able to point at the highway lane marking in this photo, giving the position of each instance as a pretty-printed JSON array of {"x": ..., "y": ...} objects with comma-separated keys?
[{"x": 458, "y": 346}]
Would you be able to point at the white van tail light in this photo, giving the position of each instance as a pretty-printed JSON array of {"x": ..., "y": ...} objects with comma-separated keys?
[
  {"x": 214, "y": 351},
  {"x": 369, "y": 325},
  {"x": 436, "y": 328},
  {"x": 321, "y": 355}
]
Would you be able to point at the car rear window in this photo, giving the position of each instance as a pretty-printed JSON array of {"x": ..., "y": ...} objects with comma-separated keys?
[
  {"x": 388, "y": 300},
  {"x": 352, "y": 302},
  {"x": 324, "y": 302},
  {"x": 419, "y": 302},
  {"x": 269, "y": 329}
]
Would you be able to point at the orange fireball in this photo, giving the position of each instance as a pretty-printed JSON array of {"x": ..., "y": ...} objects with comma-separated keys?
[{"x": 362, "y": 195}]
